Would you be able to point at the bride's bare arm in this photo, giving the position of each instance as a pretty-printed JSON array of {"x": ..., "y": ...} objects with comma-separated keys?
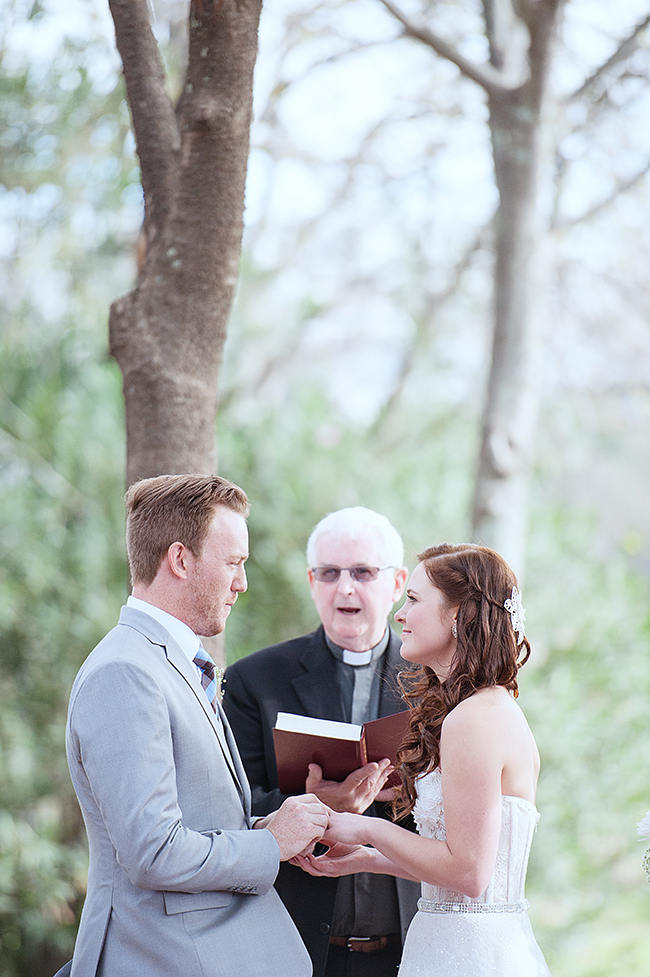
[
  {"x": 343, "y": 859},
  {"x": 473, "y": 747}
]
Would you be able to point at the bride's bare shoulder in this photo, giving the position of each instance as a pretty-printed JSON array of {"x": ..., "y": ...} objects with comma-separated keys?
[{"x": 489, "y": 704}]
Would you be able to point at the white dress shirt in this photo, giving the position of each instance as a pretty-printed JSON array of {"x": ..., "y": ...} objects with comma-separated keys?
[{"x": 188, "y": 642}]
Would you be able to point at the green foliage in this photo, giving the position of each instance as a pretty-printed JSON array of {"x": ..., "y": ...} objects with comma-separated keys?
[
  {"x": 587, "y": 697},
  {"x": 62, "y": 575}
]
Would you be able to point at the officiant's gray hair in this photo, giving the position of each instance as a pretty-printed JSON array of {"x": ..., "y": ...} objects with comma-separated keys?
[{"x": 350, "y": 522}]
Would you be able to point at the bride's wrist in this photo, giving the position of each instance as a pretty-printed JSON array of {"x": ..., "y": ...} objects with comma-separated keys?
[{"x": 363, "y": 830}]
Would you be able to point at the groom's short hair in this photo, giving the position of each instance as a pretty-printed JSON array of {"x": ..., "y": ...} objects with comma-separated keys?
[{"x": 173, "y": 508}]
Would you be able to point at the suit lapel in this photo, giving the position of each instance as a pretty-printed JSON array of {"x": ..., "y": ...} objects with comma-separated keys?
[
  {"x": 157, "y": 634},
  {"x": 240, "y": 774},
  {"x": 178, "y": 660},
  {"x": 317, "y": 686}
]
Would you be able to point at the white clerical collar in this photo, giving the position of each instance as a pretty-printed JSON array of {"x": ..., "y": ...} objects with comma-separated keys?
[
  {"x": 180, "y": 632},
  {"x": 357, "y": 657}
]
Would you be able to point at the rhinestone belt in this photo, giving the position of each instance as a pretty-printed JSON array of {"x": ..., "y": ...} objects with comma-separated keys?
[{"x": 429, "y": 906}]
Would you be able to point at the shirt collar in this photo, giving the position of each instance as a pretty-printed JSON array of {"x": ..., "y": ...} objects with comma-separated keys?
[{"x": 182, "y": 634}]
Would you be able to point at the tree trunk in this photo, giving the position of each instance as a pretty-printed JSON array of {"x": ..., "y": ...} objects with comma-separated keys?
[
  {"x": 518, "y": 135},
  {"x": 520, "y": 35},
  {"x": 167, "y": 335},
  {"x": 507, "y": 436}
]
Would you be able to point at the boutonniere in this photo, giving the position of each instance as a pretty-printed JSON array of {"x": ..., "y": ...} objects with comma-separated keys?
[{"x": 219, "y": 677}]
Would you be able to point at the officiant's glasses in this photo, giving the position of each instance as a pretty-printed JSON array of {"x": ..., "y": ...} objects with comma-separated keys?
[{"x": 362, "y": 574}]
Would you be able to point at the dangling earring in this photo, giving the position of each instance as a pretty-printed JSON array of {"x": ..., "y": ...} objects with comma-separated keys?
[{"x": 454, "y": 628}]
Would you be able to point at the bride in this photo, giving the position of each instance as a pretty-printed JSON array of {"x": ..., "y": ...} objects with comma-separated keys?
[{"x": 469, "y": 768}]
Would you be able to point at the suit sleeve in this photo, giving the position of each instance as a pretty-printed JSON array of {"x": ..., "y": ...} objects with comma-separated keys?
[
  {"x": 252, "y": 732},
  {"x": 120, "y": 735}
]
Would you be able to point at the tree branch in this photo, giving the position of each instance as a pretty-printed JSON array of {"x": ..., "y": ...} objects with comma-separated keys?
[
  {"x": 489, "y": 78},
  {"x": 434, "y": 302},
  {"x": 154, "y": 122},
  {"x": 621, "y": 186},
  {"x": 283, "y": 84},
  {"x": 625, "y": 48}
]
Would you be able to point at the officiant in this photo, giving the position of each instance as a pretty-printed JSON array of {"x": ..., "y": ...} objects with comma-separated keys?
[{"x": 345, "y": 670}]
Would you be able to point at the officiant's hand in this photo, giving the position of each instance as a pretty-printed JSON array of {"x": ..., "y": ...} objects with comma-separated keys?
[
  {"x": 297, "y": 825},
  {"x": 354, "y": 794},
  {"x": 386, "y": 795}
]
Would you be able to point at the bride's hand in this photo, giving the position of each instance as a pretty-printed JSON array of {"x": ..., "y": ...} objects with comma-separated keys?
[
  {"x": 338, "y": 860},
  {"x": 348, "y": 829}
]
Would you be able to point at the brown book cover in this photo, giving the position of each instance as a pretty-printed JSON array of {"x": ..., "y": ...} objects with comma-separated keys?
[
  {"x": 338, "y": 748},
  {"x": 383, "y": 738}
]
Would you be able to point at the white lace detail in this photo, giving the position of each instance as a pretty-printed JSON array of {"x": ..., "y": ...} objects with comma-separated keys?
[
  {"x": 428, "y": 812},
  {"x": 518, "y": 822}
]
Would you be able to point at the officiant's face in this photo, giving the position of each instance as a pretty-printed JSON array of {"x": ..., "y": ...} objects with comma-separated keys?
[{"x": 353, "y": 612}]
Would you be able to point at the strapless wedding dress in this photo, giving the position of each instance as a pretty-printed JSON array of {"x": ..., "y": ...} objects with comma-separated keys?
[{"x": 454, "y": 936}]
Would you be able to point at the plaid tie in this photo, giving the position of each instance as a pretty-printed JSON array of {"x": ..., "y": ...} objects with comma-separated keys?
[{"x": 208, "y": 680}]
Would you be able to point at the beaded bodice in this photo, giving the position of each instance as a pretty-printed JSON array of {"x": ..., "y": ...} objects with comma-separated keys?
[{"x": 518, "y": 822}]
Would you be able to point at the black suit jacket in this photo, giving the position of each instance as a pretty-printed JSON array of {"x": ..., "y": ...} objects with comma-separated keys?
[{"x": 300, "y": 676}]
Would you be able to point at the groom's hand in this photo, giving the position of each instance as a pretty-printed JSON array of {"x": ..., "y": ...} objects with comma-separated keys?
[
  {"x": 298, "y": 824},
  {"x": 353, "y": 795}
]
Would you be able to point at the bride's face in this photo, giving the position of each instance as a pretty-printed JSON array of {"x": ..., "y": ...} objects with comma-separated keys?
[{"x": 427, "y": 623}]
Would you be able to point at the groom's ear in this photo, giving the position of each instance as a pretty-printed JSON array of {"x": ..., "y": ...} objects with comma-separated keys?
[{"x": 177, "y": 560}]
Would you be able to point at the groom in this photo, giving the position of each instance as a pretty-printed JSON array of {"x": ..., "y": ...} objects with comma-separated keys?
[{"x": 178, "y": 883}]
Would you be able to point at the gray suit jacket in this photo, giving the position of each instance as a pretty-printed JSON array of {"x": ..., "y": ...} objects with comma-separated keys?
[{"x": 177, "y": 883}]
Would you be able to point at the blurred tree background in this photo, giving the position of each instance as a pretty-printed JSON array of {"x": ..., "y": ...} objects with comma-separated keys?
[{"x": 355, "y": 372}]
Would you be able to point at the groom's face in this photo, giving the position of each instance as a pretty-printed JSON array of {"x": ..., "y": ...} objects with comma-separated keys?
[{"x": 217, "y": 575}]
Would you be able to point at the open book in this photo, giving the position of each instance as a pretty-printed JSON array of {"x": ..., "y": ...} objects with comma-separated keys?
[{"x": 338, "y": 748}]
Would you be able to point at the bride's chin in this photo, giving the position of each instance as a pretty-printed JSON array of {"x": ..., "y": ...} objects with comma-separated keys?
[{"x": 407, "y": 653}]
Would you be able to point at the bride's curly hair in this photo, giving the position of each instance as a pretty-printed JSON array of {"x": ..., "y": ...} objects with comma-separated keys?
[{"x": 478, "y": 581}]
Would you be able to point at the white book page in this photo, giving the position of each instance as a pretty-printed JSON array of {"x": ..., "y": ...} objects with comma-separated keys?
[{"x": 293, "y": 723}]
